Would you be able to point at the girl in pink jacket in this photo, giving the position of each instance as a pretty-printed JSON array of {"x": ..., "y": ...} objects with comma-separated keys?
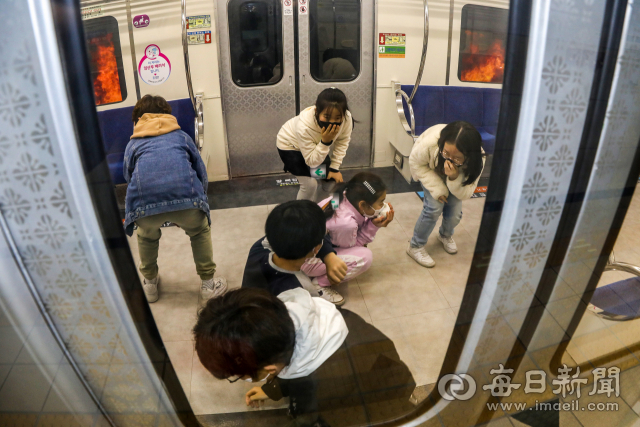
[{"x": 362, "y": 211}]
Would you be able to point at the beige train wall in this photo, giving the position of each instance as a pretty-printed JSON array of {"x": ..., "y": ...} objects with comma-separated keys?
[
  {"x": 407, "y": 16},
  {"x": 394, "y": 16}
]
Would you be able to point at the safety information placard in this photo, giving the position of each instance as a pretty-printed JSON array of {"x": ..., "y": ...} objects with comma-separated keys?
[
  {"x": 392, "y": 45},
  {"x": 198, "y": 21},
  {"x": 154, "y": 67},
  {"x": 303, "y": 7},
  {"x": 199, "y": 37},
  {"x": 91, "y": 12},
  {"x": 287, "y": 6}
]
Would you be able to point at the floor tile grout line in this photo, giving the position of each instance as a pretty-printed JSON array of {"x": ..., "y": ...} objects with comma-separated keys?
[{"x": 363, "y": 300}]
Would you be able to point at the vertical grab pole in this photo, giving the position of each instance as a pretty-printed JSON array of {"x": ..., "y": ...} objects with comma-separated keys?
[
  {"x": 196, "y": 101},
  {"x": 424, "y": 50},
  {"x": 185, "y": 51}
]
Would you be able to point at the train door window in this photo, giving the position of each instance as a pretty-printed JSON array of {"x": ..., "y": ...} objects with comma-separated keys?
[
  {"x": 255, "y": 34},
  {"x": 483, "y": 35},
  {"x": 334, "y": 27},
  {"x": 105, "y": 59}
]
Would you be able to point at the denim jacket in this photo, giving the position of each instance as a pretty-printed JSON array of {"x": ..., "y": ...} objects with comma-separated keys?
[{"x": 164, "y": 171}]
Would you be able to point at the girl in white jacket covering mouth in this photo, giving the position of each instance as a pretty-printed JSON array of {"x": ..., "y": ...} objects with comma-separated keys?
[
  {"x": 305, "y": 142},
  {"x": 448, "y": 161}
]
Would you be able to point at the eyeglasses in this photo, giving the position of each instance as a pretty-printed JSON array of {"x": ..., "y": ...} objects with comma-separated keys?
[
  {"x": 238, "y": 378},
  {"x": 446, "y": 156}
]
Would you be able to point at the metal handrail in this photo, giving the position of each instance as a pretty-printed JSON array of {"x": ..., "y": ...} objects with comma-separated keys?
[
  {"x": 425, "y": 42},
  {"x": 196, "y": 100},
  {"x": 403, "y": 119},
  {"x": 613, "y": 265},
  {"x": 185, "y": 51}
]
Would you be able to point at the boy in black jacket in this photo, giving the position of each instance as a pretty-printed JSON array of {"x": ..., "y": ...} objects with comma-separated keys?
[{"x": 295, "y": 231}]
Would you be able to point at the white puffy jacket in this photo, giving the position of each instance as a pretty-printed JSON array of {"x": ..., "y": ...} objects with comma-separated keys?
[
  {"x": 302, "y": 133},
  {"x": 423, "y": 161},
  {"x": 320, "y": 331}
]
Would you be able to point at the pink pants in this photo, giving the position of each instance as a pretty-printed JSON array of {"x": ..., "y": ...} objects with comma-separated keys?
[{"x": 357, "y": 258}]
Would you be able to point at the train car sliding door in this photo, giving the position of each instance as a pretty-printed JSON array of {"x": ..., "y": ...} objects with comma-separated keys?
[
  {"x": 264, "y": 83},
  {"x": 257, "y": 76},
  {"x": 336, "y": 50}
]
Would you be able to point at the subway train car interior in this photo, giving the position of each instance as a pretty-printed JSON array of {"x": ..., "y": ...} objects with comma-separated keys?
[{"x": 339, "y": 213}]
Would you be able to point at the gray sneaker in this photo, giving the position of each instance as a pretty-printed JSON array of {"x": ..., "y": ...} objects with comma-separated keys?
[
  {"x": 213, "y": 288},
  {"x": 150, "y": 288},
  {"x": 420, "y": 256}
]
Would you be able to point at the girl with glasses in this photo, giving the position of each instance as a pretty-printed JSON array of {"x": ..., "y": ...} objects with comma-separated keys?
[{"x": 448, "y": 161}]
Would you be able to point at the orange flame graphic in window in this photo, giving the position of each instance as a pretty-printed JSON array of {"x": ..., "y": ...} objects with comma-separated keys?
[
  {"x": 106, "y": 81},
  {"x": 487, "y": 66}
]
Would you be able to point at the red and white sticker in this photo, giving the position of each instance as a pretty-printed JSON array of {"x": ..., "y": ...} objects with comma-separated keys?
[{"x": 303, "y": 7}]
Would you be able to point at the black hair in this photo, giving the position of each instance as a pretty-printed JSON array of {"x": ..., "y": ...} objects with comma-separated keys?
[
  {"x": 332, "y": 98},
  {"x": 295, "y": 228},
  {"x": 150, "y": 104},
  {"x": 243, "y": 331},
  {"x": 357, "y": 190},
  {"x": 467, "y": 139}
]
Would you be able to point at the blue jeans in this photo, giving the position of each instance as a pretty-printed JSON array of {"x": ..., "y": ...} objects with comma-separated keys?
[{"x": 432, "y": 209}]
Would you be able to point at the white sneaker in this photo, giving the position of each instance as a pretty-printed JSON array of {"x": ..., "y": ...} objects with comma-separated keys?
[
  {"x": 150, "y": 288},
  {"x": 448, "y": 243},
  {"x": 420, "y": 256},
  {"x": 326, "y": 293},
  {"x": 213, "y": 288}
]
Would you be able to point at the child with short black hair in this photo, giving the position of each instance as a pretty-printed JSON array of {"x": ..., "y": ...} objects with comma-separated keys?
[
  {"x": 303, "y": 348},
  {"x": 295, "y": 232}
]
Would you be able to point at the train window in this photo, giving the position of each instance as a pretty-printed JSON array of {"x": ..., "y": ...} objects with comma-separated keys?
[
  {"x": 335, "y": 40},
  {"x": 105, "y": 59},
  {"x": 483, "y": 35},
  {"x": 255, "y": 34}
]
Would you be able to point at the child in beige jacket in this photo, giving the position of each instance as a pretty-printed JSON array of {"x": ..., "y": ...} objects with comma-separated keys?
[
  {"x": 448, "y": 161},
  {"x": 305, "y": 142}
]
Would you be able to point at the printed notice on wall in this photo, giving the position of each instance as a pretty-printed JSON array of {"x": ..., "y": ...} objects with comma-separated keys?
[
  {"x": 198, "y": 21},
  {"x": 287, "y": 6},
  {"x": 91, "y": 12},
  {"x": 303, "y": 7},
  {"x": 154, "y": 67},
  {"x": 392, "y": 45},
  {"x": 199, "y": 37}
]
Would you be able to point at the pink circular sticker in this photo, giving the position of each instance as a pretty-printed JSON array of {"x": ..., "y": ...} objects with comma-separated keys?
[{"x": 154, "y": 67}]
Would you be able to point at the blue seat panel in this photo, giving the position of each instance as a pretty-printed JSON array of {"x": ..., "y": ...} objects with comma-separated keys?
[
  {"x": 433, "y": 105},
  {"x": 116, "y": 127},
  {"x": 491, "y": 108},
  {"x": 620, "y": 298},
  {"x": 488, "y": 140},
  {"x": 428, "y": 105},
  {"x": 463, "y": 103}
]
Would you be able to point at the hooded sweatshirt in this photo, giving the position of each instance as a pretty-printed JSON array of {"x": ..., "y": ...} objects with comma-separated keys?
[
  {"x": 423, "y": 161},
  {"x": 164, "y": 170},
  {"x": 302, "y": 133},
  {"x": 320, "y": 331}
]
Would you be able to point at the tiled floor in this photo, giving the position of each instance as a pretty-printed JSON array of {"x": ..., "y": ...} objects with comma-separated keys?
[
  {"x": 417, "y": 313},
  {"x": 400, "y": 310}
]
